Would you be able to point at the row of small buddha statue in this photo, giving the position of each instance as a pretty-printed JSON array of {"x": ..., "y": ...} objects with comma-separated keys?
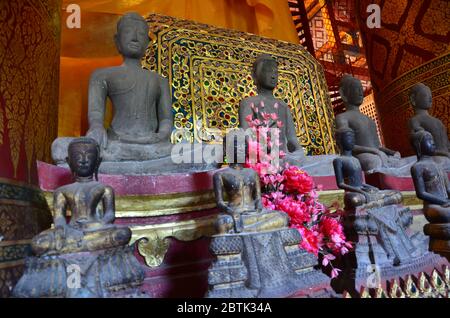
[{"x": 91, "y": 229}]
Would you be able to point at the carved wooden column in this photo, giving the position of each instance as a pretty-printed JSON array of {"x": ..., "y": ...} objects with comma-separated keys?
[{"x": 29, "y": 73}]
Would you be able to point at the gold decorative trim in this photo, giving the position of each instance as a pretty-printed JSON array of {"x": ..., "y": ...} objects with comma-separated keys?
[
  {"x": 19, "y": 183},
  {"x": 411, "y": 201},
  {"x": 12, "y": 264},
  {"x": 19, "y": 203},
  {"x": 412, "y": 286},
  {"x": 328, "y": 197},
  {"x": 158, "y": 205},
  {"x": 18, "y": 242},
  {"x": 407, "y": 74},
  {"x": 152, "y": 239}
]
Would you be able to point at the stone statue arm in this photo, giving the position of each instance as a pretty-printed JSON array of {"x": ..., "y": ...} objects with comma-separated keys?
[
  {"x": 374, "y": 133},
  {"x": 421, "y": 191},
  {"x": 165, "y": 115},
  {"x": 338, "y": 172},
  {"x": 98, "y": 89},
  {"x": 108, "y": 206},
  {"x": 291, "y": 134},
  {"x": 414, "y": 125},
  {"x": 218, "y": 192},
  {"x": 257, "y": 198},
  {"x": 244, "y": 111},
  {"x": 358, "y": 149},
  {"x": 60, "y": 209},
  {"x": 389, "y": 152},
  {"x": 442, "y": 153}
]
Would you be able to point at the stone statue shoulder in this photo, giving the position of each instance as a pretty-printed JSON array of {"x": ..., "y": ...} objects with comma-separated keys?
[
  {"x": 342, "y": 116},
  {"x": 249, "y": 100},
  {"x": 413, "y": 122}
]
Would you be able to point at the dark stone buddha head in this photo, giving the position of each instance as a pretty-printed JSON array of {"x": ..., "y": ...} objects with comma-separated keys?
[
  {"x": 345, "y": 138},
  {"x": 420, "y": 96},
  {"x": 423, "y": 143},
  {"x": 265, "y": 72},
  {"x": 132, "y": 36},
  {"x": 84, "y": 157},
  {"x": 351, "y": 90}
]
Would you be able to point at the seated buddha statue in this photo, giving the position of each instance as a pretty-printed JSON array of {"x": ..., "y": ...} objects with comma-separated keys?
[
  {"x": 375, "y": 216},
  {"x": 421, "y": 101},
  {"x": 265, "y": 76},
  {"x": 370, "y": 153},
  {"x": 89, "y": 228},
  {"x": 244, "y": 211},
  {"x": 142, "y": 110},
  {"x": 433, "y": 187},
  {"x": 349, "y": 177}
]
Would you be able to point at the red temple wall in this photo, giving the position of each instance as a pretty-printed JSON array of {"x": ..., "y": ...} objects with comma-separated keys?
[{"x": 411, "y": 46}]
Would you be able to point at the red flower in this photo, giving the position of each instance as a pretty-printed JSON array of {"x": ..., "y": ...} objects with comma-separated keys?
[
  {"x": 297, "y": 180},
  {"x": 297, "y": 211},
  {"x": 311, "y": 240}
]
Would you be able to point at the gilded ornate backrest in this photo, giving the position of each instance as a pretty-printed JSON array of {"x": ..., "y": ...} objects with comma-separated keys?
[{"x": 209, "y": 70}]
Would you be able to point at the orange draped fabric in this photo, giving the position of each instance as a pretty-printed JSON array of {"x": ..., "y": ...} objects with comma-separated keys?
[{"x": 91, "y": 46}]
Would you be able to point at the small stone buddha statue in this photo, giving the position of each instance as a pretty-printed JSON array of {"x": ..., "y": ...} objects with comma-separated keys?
[
  {"x": 87, "y": 256},
  {"x": 433, "y": 187},
  {"x": 374, "y": 218},
  {"x": 265, "y": 76},
  {"x": 244, "y": 208},
  {"x": 142, "y": 122},
  {"x": 256, "y": 253},
  {"x": 421, "y": 101},
  {"x": 89, "y": 229},
  {"x": 349, "y": 177},
  {"x": 371, "y": 154}
]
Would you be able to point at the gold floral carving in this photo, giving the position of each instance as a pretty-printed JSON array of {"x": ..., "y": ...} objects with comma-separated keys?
[
  {"x": 209, "y": 70},
  {"x": 420, "y": 285},
  {"x": 153, "y": 242}
]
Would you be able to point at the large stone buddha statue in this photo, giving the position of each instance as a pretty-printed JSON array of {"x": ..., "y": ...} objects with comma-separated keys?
[
  {"x": 371, "y": 154},
  {"x": 265, "y": 76},
  {"x": 421, "y": 101},
  {"x": 142, "y": 122},
  {"x": 89, "y": 243}
]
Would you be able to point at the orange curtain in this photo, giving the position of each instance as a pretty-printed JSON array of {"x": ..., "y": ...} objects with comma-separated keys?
[{"x": 91, "y": 46}]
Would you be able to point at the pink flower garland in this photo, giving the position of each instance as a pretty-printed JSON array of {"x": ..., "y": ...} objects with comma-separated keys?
[{"x": 292, "y": 190}]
